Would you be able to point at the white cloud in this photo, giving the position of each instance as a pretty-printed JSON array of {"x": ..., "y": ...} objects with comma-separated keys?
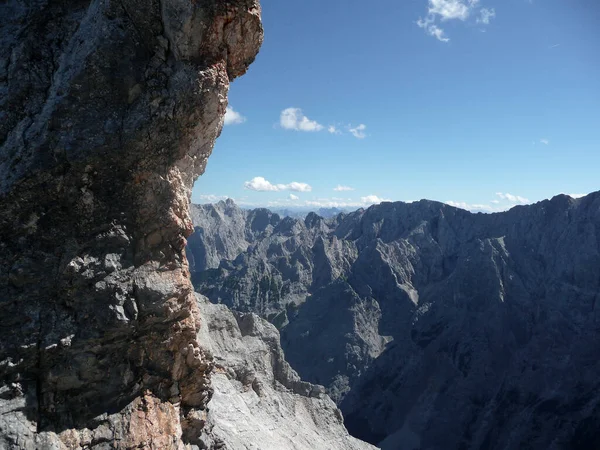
[
  {"x": 545, "y": 141},
  {"x": 340, "y": 188},
  {"x": 512, "y": 198},
  {"x": 576, "y": 195},
  {"x": 293, "y": 197},
  {"x": 262, "y": 185},
  {"x": 451, "y": 9},
  {"x": 432, "y": 30},
  {"x": 233, "y": 117},
  {"x": 445, "y": 10},
  {"x": 294, "y": 119},
  {"x": 359, "y": 131},
  {"x": 373, "y": 199},
  {"x": 333, "y": 130},
  {"x": 485, "y": 15}
]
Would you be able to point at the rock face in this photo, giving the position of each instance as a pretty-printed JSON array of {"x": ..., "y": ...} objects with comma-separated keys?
[
  {"x": 108, "y": 112},
  {"x": 435, "y": 328},
  {"x": 259, "y": 402}
]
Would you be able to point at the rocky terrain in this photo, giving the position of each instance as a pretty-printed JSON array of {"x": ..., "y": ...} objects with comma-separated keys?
[
  {"x": 259, "y": 402},
  {"x": 108, "y": 112},
  {"x": 431, "y": 327}
]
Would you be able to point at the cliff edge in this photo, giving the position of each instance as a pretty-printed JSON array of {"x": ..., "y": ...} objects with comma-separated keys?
[{"x": 109, "y": 110}]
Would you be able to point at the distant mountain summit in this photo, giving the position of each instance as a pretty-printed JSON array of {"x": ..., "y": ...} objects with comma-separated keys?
[{"x": 432, "y": 327}]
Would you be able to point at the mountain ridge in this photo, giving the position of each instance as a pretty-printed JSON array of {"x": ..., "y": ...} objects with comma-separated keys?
[{"x": 356, "y": 295}]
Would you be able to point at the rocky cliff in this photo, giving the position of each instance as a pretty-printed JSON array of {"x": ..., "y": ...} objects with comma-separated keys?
[
  {"x": 109, "y": 110},
  {"x": 259, "y": 401},
  {"x": 432, "y": 327}
]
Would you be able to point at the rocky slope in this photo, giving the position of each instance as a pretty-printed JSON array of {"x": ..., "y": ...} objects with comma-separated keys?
[
  {"x": 259, "y": 402},
  {"x": 108, "y": 112},
  {"x": 432, "y": 327}
]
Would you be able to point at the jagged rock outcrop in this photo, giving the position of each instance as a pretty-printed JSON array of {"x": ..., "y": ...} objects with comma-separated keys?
[
  {"x": 223, "y": 231},
  {"x": 436, "y": 328},
  {"x": 259, "y": 402},
  {"x": 109, "y": 110},
  {"x": 294, "y": 273}
]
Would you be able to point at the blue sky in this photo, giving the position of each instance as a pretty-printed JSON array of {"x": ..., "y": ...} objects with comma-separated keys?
[{"x": 484, "y": 104}]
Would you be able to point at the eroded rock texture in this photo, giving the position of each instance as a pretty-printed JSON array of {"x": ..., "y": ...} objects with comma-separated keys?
[
  {"x": 259, "y": 401},
  {"x": 109, "y": 110}
]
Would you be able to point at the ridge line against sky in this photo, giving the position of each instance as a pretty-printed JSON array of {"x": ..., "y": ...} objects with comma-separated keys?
[{"x": 482, "y": 104}]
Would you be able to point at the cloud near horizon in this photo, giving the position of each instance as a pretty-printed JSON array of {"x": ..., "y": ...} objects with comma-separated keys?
[
  {"x": 340, "y": 188},
  {"x": 373, "y": 199},
  {"x": 512, "y": 198},
  {"x": 260, "y": 184},
  {"x": 475, "y": 207},
  {"x": 506, "y": 202}
]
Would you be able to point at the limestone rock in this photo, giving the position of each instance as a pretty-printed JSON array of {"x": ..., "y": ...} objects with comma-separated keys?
[
  {"x": 108, "y": 112},
  {"x": 259, "y": 402}
]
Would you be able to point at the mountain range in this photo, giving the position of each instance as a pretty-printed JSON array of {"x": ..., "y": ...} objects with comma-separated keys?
[{"x": 430, "y": 326}]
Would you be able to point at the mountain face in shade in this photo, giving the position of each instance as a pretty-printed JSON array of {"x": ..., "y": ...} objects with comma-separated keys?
[{"x": 432, "y": 327}]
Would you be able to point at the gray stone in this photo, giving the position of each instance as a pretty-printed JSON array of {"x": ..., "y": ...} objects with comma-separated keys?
[
  {"x": 108, "y": 112},
  {"x": 264, "y": 405}
]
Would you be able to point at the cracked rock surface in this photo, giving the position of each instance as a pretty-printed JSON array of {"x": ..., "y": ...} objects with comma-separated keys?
[
  {"x": 109, "y": 110},
  {"x": 259, "y": 401}
]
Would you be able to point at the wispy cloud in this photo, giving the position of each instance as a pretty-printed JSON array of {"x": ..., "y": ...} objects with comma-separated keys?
[
  {"x": 358, "y": 131},
  {"x": 340, "y": 188},
  {"x": 485, "y": 15},
  {"x": 576, "y": 195},
  {"x": 445, "y": 10},
  {"x": 545, "y": 141},
  {"x": 432, "y": 30},
  {"x": 260, "y": 184},
  {"x": 293, "y": 197},
  {"x": 512, "y": 198},
  {"x": 294, "y": 119},
  {"x": 554, "y": 46},
  {"x": 233, "y": 117},
  {"x": 333, "y": 130}
]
